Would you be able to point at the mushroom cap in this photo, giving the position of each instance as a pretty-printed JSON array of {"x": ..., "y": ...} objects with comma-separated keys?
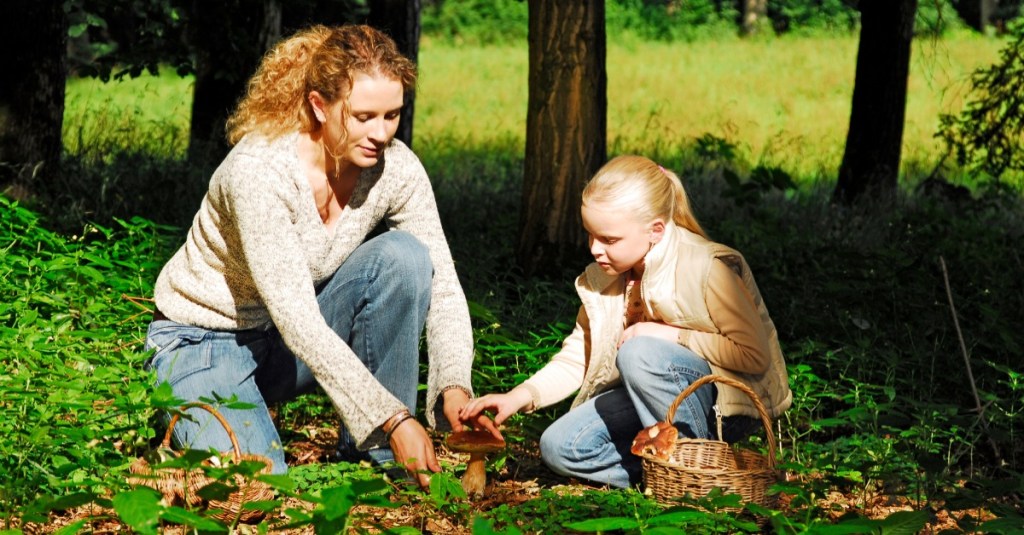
[
  {"x": 656, "y": 441},
  {"x": 474, "y": 442}
]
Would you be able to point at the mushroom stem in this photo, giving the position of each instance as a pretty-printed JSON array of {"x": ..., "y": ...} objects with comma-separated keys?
[
  {"x": 475, "y": 479},
  {"x": 477, "y": 444}
]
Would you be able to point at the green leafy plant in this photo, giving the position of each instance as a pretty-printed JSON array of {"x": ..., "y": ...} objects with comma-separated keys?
[
  {"x": 553, "y": 511},
  {"x": 333, "y": 507},
  {"x": 447, "y": 496},
  {"x": 986, "y": 135},
  {"x": 706, "y": 514}
]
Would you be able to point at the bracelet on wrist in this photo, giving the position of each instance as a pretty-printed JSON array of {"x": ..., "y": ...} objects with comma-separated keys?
[
  {"x": 401, "y": 418},
  {"x": 389, "y": 424}
]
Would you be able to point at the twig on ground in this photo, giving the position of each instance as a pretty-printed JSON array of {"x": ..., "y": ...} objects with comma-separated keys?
[
  {"x": 138, "y": 301},
  {"x": 967, "y": 363}
]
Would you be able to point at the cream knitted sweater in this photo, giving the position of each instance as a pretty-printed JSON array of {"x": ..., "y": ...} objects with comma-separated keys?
[{"x": 257, "y": 249}]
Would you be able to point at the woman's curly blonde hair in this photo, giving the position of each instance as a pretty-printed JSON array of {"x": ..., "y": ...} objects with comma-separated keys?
[{"x": 319, "y": 58}]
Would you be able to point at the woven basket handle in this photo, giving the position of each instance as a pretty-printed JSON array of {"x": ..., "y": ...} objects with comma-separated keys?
[
  {"x": 236, "y": 449},
  {"x": 765, "y": 419}
]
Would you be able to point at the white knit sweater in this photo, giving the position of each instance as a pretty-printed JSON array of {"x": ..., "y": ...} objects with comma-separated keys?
[{"x": 257, "y": 248}]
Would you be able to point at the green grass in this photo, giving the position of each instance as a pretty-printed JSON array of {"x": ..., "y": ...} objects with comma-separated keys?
[
  {"x": 99, "y": 115},
  {"x": 784, "y": 102}
]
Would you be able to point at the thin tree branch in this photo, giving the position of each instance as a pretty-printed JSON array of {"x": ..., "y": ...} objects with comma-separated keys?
[{"x": 967, "y": 363}]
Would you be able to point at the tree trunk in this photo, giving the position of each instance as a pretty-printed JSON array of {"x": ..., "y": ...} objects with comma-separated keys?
[
  {"x": 565, "y": 127},
  {"x": 226, "y": 56},
  {"x": 755, "y": 15},
  {"x": 871, "y": 161},
  {"x": 977, "y": 13},
  {"x": 34, "y": 36},
  {"x": 400, "y": 19}
]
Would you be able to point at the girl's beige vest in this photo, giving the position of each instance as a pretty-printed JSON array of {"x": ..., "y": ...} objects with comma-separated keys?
[{"x": 674, "y": 287}]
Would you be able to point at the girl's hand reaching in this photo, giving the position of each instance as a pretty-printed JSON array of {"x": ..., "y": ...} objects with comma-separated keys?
[
  {"x": 501, "y": 405},
  {"x": 455, "y": 401}
]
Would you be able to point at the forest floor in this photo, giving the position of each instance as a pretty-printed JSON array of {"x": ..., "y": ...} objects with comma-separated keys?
[
  {"x": 521, "y": 479},
  {"x": 525, "y": 474}
]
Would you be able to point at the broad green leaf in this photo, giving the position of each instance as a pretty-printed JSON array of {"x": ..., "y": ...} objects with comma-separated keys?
[
  {"x": 216, "y": 490},
  {"x": 238, "y": 405},
  {"x": 724, "y": 500},
  {"x": 443, "y": 485},
  {"x": 98, "y": 260},
  {"x": 76, "y": 30},
  {"x": 483, "y": 526},
  {"x": 846, "y": 527},
  {"x": 667, "y": 530},
  {"x": 279, "y": 482},
  {"x": 676, "y": 517},
  {"x": 163, "y": 396},
  {"x": 375, "y": 485},
  {"x": 140, "y": 509},
  {"x": 70, "y": 501},
  {"x": 91, "y": 273},
  {"x": 186, "y": 459},
  {"x": 322, "y": 526},
  {"x": 604, "y": 524},
  {"x": 28, "y": 317},
  {"x": 184, "y": 517},
  {"x": 70, "y": 529},
  {"x": 904, "y": 522},
  {"x": 337, "y": 502},
  {"x": 1008, "y": 524}
]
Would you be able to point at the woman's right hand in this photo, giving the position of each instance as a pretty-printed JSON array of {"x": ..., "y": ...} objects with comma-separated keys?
[
  {"x": 501, "y": 405},
  {"x": 414, "y": 450}
]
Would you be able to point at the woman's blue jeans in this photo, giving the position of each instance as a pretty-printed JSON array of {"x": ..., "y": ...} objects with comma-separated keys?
[
  {"x": 592, "y": 440},
  {"x": 376, "y": 302}
]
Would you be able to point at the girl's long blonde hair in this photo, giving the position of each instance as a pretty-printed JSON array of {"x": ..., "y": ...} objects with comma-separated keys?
[
  {"x": 639, "y": 186},
  {"x": 319, "y": 59}
]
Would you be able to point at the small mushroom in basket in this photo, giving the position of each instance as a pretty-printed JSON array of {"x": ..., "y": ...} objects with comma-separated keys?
[
  {"x": 655, "y": 441},
  {"x": 477, "y": 444}
]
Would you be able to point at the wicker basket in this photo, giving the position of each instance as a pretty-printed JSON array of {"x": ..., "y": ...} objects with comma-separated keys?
[
  {"x": 180, "y": 487},
  {"x": 697, "y": 466}
]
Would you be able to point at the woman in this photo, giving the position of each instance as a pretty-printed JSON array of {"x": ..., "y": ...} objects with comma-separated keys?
[
  {"x": 281, "y": 285},
  {"x": 662, "y": 306}
]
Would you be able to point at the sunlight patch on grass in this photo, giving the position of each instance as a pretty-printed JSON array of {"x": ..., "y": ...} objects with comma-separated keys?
[
  {"x": 471, "y": 93},
  {"x": 784, "y": 102},
  {"x": 152, "y": 111}
]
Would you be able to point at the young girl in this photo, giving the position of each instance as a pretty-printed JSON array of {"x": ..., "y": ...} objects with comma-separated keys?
[
  {"x": 281, "y": 284},
  {"x": 662, "y": 307}
]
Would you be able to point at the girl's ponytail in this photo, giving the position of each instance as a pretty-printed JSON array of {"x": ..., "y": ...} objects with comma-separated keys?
[{"x": 682, "y": 214}]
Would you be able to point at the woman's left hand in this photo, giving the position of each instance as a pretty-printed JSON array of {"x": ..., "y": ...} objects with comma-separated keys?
[
  {"x": 650, "y": 328},
  {"x": 454, "y": 400}
]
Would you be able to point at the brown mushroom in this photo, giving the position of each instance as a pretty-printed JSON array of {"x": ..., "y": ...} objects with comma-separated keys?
[
  {"x": 477, "y": 444},
  {"x": 655, "y": 441}
]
